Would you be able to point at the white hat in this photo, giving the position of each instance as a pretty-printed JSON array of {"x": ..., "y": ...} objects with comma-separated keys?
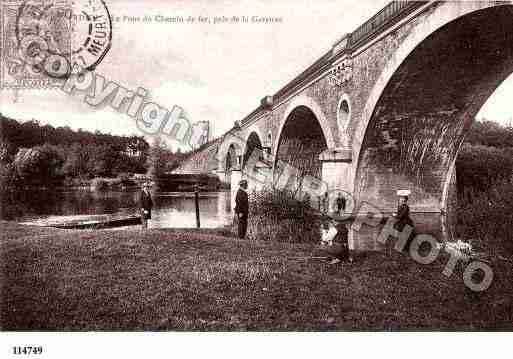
[{"x": 403, "y": 192}]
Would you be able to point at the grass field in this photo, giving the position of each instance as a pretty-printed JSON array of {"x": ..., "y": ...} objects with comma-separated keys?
[{"x": 173, "y": 280}]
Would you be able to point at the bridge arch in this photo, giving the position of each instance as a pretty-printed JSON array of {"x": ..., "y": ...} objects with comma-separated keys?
[
  {"x": 313, "y": 106},
  {"x": 229, "y": 153},
  {"x": 253, "y": 141},
  {"x": 232, "y": 158},
  {"x": 301, "y": 140},
  {"x": 426, "y": 98}
]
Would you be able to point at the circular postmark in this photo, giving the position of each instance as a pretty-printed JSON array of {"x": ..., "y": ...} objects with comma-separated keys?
[
  {"x": 92, "y": 29},
  {"x": 60, "y": 37}
]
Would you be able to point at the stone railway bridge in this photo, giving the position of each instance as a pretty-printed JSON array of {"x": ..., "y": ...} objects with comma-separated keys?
[{"x": 387, "y": 107}]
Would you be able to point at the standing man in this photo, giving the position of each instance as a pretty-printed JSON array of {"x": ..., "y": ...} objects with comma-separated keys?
[
  {"x": 242, "y": 208},
  {"x": 340, "y": 204},
  {"x": 325, "y": 204},
  {"x": 146, "y": 204},
  {"x": 403, "y": 217}
]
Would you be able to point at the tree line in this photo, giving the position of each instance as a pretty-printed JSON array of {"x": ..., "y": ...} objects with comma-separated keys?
[
  {"x": 484, "y": 169},
  {"x": 32, "y": 154},
  {"x": 485, "y": 159}
]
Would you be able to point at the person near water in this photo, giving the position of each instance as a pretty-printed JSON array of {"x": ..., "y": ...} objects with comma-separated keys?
[
  {"x": 242, "y": 208},
  {"x": 403, "y": 216},
  {"x": 325, "y": 204},
  {"x": 146, "y": 204},
  {"x": 340, "y": 204}
]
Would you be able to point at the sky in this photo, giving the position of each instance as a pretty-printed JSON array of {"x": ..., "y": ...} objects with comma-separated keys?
[{"x": 216, "y": 72}]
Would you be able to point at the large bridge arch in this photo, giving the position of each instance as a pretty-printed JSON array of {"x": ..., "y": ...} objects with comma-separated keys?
[
  {"x": 300, "y": 143},
  {"x": 253, "y": 140},
  {"x": 425, "y": 99},
  {"x": 305, "y": 127},
  {"x": 229, "y": 154},
  {"x": 315, "y": 108}
]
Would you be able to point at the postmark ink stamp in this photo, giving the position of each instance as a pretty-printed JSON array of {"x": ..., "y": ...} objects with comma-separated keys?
[
  {"x": 28, "y": 37},
  {"x": 92, "y": 34},
  {"x": 43, "y": 42}
]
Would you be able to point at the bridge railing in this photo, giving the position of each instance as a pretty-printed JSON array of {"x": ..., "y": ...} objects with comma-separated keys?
[
  {"x": 388, "y": 16},
  {"x": 385, "y": 17}
]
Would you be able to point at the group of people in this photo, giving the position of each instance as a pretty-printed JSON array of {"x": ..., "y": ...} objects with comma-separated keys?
[
  {"x": 241, "y": 206},
  {"x": 339, "y": 205},
  {"x": 335, "y": 233},
  {"x": 331, "y": 230}
]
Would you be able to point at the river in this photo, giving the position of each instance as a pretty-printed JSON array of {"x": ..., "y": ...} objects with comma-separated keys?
[{"x": 171, "y": 209}]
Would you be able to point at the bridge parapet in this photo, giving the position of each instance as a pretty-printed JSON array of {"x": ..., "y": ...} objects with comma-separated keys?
[{"x": 387, "y": 17}]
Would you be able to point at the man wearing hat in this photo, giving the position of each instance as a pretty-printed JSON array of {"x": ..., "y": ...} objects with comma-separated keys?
[
  {"x": 340, "y": 204},
  {"x": 242, "y": 208},
  {"x": 146, "y": 204},
  {"x": 403, "y": 215}
]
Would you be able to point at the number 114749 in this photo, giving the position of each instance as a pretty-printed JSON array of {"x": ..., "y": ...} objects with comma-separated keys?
[{"x": 27, "y": 350}]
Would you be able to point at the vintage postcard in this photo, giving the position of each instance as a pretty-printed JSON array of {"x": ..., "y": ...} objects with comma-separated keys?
[{"x": 253, "y": 166}]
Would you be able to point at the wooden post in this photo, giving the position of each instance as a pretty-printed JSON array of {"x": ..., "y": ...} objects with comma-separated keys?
[{"x": 196, "y": 202}]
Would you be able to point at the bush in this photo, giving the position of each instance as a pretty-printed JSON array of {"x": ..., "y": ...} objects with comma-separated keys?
[
  {"x": 276, "y": 215},
  {"x": 8, "y": 177},
  {"x": 77, "y": 182},
  {"x": 40, "y": 165},
  {"x": 125, "y": 179},
  {"x": 486, "y": 220},
  {"x": 99, "y": 184},
  {"x": 479, "y": 167}
]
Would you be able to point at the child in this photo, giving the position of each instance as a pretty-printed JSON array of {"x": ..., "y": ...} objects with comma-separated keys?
[
  {"x": 328, "y": 233},
  {"x": 340, "y": 251}
]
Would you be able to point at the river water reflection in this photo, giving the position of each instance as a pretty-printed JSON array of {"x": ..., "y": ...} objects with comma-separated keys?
[{"x": 171, "y": 210}]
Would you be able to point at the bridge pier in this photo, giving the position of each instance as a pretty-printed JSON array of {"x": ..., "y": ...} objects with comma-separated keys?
[
  {"x": 236, "y": 176},
  {"x": 337, "y": 169}
]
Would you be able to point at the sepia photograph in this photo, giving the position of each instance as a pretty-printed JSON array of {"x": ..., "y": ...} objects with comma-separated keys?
[{"x": 244, "y": 167}]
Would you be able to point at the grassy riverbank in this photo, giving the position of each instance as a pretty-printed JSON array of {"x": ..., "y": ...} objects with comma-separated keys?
[{"x": 173, "y": 280}]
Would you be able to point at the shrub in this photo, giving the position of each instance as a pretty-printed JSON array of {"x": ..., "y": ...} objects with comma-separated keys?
[
  {"x": 40, "y": 165},
  {"x": 8, "y": 177},
  {"x": 276, "y": 215},
  {"x": 487, "y": 219},
  {"x": 479, "y": 167},
  {"x": 99, "y": 184},
  {"x": 125, "y": 179}
]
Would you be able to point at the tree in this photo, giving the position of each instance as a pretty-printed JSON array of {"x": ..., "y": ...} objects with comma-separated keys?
[
  {"x": 480, "y": 167},
  {"x": 8, "y": 177},
  {"x": 157, "y": 158},
  {"x": 85, "y": 153},
  {"x": 40, "y": 165},
  {"x": 7, "y": 151}
]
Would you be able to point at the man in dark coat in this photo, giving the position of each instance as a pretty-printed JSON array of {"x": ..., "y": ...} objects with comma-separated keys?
[
  {"x": 146, "y": 205},
  {"x": 242, "y": 208},
  {"x": 403, "y": 218},
  {"x": 340, "y": 249},
  {"x": 340, "y": 204}
]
